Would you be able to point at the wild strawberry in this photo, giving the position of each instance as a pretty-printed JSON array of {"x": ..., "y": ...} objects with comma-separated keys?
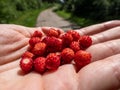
[
  {"x": 67, "y": 39},
  {"x": 53, "y": 32},
  {"x": 26, "y": 64},
  {"x": 39, "y": 64},
  {"x": 67, "y": 55},
  {"x": 53, "y": 44},
  {"x": 75, "y": 35},
  {"x": 39, "y": 49},
  {"x": 75, "y": 46},
  {"x": 34, "y": 40},
  {"x": 85, "y": 41},
  {"x": 82, "y": 58},
  {"x": 78, "y": 66},
  {"x": 37, "y": 34},
  {"x": 28, "y": 54},
  {"x": 52, "y": 61},
  {"x": 30, "y": 48},
  {"x": 57, "y": 48}
]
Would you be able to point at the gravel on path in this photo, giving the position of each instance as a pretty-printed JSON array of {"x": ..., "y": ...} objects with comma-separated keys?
[{"x": 51, "y": 19}]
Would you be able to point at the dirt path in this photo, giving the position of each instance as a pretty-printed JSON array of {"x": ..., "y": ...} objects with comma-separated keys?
[{"x": 49, "y": 18}]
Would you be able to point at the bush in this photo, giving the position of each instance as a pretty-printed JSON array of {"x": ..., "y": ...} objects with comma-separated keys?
[
  {"x": 99, "y": 10},
  {"x": 11, "y": 9}
]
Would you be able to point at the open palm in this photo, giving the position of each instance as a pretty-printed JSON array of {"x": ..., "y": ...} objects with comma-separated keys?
[{"x": 102, "y": 74}]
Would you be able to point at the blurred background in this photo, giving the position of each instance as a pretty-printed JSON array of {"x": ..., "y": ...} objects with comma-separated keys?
[{"x": 81, "y": 12}]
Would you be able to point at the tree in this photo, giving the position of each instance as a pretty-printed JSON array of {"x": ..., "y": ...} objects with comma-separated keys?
[{"x": 94, "y": 9}]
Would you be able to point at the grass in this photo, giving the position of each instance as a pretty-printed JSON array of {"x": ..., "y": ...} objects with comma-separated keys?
[
  {"x": 81, "y": 21},
  {"x": 63, "y": 14},
  {"x": 27, "y": 18}
]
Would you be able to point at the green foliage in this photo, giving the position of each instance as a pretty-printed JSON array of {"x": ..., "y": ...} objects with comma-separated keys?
[
  {"x": 114, "y": 10},
  {"x": 63, "y": 14},
  {"x": 99, "y": 10},
  {"x": 5, "y": 12},
  {"x": 13, "y": 9},
  {"x": 50, "y": 1},
  {"x": 27, "y": 18},
  {"x": 22, "y": 12},
  {"x": 81, "y": 21}
]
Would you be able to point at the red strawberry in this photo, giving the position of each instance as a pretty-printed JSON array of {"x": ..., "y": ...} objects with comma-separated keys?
[
  {"x": 67, "y": 39},
  {"x": 30, "y": 48},
  {"x": 85, "y": 41},
  {"x": 52, "y": 61},
  {"x": 28, "y": 54},
  {"x": 53, "y": 32},
  {"x": 26, "y": 64},
  {"x": 39, "y": 49},
  {"x": 67, "y": 55},
  {"x": 34, "y": 40},
  {"x": 75, "y": 46},
  {"x": 39, "y": 64},
  {"x": 82, "y": 58},
  {"x": 57, "y": 48},
  {"x": 37, "y": 34},
  {"x": 53, "y": 44},
  {"x": 75, "y": 35}
]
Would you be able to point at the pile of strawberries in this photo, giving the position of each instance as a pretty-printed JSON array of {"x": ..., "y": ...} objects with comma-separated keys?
[{"x": 55, "y": 49}]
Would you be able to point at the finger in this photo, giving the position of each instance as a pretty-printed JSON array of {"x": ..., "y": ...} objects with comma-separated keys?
[
  {"x": 90, "y": 30},
  {"x": 110, "y": 34},
  {"x": 46, "y": 29},
  {"x": 103, "y": 50},
  {"x": 64, "y": 78},
  {"x": 43, "y": 30},
  {"x": 9, "y": 66},
  {"x": 26, "y": 31},
  {"x": 101, "y": 75},
  {"x": 13, "y": 52}
]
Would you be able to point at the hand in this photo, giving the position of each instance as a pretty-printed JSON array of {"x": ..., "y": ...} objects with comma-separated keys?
[{"x": 102, "y": 74}]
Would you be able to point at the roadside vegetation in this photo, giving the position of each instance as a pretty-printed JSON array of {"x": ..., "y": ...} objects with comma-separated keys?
[
  {"x": 81, "y": 12},
  {"x": 87, "y": 12},
  {"x": 22, "y": 12}
]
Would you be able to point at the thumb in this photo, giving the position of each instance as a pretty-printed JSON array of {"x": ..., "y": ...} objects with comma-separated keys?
[{"x": 101, "y": 75}]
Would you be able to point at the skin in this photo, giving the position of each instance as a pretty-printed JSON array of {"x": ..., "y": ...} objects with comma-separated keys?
[{"x": 103, "y": 73}]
